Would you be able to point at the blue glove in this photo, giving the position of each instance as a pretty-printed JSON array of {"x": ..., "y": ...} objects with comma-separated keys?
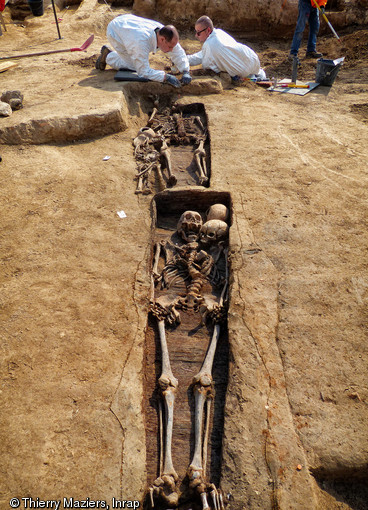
[
  {"x": 172, "y": 80},
  {"x": 186, "y": 78},
  {"x": 236, "y": 79}
]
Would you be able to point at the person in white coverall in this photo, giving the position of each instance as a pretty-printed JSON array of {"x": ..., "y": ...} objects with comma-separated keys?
[
  {"x": 221, "y": 52},
  {"x": 133, "y": 39}
]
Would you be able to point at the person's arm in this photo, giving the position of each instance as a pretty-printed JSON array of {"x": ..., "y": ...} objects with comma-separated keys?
[
  {"x": 179, "y": 58},
  {"x": 322, "y": 4},
  {"x": 141, "y": 62},
  {"x": 143, "y": 68},
  {"x": 195, "y": 59}
]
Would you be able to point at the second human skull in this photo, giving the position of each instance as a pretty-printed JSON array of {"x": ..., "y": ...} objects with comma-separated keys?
[{"x": 214, "y": 231}]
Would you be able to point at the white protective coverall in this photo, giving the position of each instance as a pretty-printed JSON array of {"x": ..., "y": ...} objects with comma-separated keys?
[
  {"x": 133, "y": 39},
  {"x": 221, "y": 52}
]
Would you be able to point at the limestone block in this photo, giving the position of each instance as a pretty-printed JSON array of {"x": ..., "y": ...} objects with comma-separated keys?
[
  {"x": 5, "y": 109},
  {"x": 14, "y": 98}
]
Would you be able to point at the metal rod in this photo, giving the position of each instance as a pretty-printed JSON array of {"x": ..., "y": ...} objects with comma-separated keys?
[
  {"x": 84, "y": 46},
  {"x": 326, "y": 20},
  {"x": 2, "y": 22},
  {"x": 294, "y": 72},
  {"x": 56, "y": 20}
]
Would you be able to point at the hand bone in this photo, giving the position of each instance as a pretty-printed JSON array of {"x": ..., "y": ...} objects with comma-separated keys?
[{"x": 208, "y": 305}]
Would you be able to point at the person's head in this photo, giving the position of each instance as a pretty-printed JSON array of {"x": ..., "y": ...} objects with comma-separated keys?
[
  {"x": 167, "y": 38},
  {"x": 203, "y": 28}
]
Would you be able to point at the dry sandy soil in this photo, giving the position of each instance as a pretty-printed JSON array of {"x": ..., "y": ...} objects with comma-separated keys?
[{"x": 75, "y": 276}]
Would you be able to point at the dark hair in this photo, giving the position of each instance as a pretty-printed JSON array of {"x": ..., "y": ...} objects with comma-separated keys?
[{"x": 169, "y": 32}]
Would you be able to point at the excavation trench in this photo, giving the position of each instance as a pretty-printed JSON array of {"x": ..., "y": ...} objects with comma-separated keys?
[
  {"x": 189, "y": 281},
  {"x": 173, "y": 149},
  {"x": 188, "y": 343}
]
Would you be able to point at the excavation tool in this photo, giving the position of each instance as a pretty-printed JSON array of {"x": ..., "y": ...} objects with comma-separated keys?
[
  {"x": 2, "y": 22},
  {"x": 84, "y": 46},
  {"x": 7, "y": 65},
  {"x": 56, "y": 18},
  {"x": 293, "y": 85},
  {"x": 294, "y": 71},
  {"x": 326, "y": 20},
  {"x": 288, "y": 87}
]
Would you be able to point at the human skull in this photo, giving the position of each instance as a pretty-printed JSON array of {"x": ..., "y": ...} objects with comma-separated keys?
[
  {"x": 213, "y": 231},
  {"x": 217, "y": 212},
  {"x": 147, "y": 132},
  {"x": 189, "y": 226},
  {"x": 145, "y": 136}
]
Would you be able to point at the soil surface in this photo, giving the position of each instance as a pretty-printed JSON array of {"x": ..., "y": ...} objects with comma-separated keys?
[{"x": 75, "y": 276}]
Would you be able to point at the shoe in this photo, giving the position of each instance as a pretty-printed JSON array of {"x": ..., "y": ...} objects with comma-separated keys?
[
  {"x": 313, "y": 54},
  {"x": 101, "y": 61}
]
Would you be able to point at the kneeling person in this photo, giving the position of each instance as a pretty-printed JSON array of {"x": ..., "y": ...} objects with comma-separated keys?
[
  {"x": 133, "y": 39},
  {"x": 221, "y": 52}
]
